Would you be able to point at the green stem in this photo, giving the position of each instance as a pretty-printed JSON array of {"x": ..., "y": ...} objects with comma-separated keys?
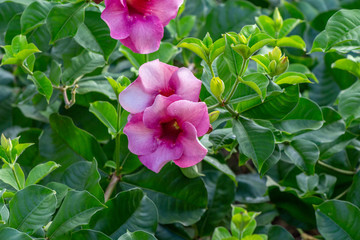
[
  {"x": 346, "y": 172},
  {"x": 211, "y": 70},
  {"x": 342, "y": 194},
  {"x": 117, "y": 141},
  {"x": 242, "y": 70},
  {"x": 230, "y": 110},
  {"x": 147, "y": 58},
  {"x": 213, "y": 106},
  {"x": 16, "y": 178}
]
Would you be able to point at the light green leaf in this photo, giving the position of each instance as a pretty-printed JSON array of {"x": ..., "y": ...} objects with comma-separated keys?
[
  {"x": 255, "y": 141},
  {"x": 138, "y": 235},
  {"x": 217, "y": 49},
  {"x": 32, "y": 208},
  {"x": 64, "y": 20},
  {"x": 291, "y": 78},
  {"x": 348, "y": 65},
  {"x": 258, "y": 82},
  {"x": 288, "y": 25},
  {"x": 107, "y": 114},
  {"x": 43, "y": 84},
  {"x": 338, "y": 220},
  {"x": 76, "y": 210},
  {"x": 39, "y": 172},
  {"x": 292, "y": 41},
  {"x": 221, "y": 233},
  {"x": 267, "y": 24},
  {"x": 196, "y": 46}
]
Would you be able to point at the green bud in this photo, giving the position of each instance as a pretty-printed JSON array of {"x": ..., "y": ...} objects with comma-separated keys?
[
  {"x": 242, "y": 39},
  {"x": 208, "y": 42},
  {"x": 213, "y": 116},
  {"x": 217, "y": 86},
  {"x": 272, "y": 68},
  {"x": 277, "y": 19},
  {"x": 242, "y": 49},
  {"x": 282, "y": 66},
  {"x": 6, "y": 143},
  {"x": 275, "y": 54}
]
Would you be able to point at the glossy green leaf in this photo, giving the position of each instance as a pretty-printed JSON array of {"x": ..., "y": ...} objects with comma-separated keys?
[
  {"x": 220, "y": 138},
  {"x": 196, "y": 46},
  {"x": 84, "y": 63},
  {"x": 32, "y": 208},
  {"x": 76, "y": 210},
  {"x": 262, "y": 61},
  {"x": 304, "y": 154},
  {"x": 107, "y": 114},
  {"x": 39, "y": 172},
  {"x": 84, "y": 175},
  {"x": 77, "y": 139},
  {"x": 349, "y": 102},
  {"x": 64, "y": 20},
  {"x": 251, "y": 189},
  {"x": 94, "y": 35},
  {"x": 221, "y": 193},
  {"x": 7, "y": 176},
  {"x": 217, "y": 49},
  {"x": 4, "y": 211},
  {"x": 338, "y": 220},
  {"x": 89, "y": 235},
  {"x": 291, "y": 78},
  {"x": 330, "y": 148},
  {"x": 307, "y": 183},
  {"x": 138, "y": 235},
  {"x": 60, "y": 189},
  {"x": 34, "y": 16},
  {"x": 43, "y": 84},
  {"x": 341, "y": 33},
  {"x": 13, "y": 234},
  {"x": 348, "y": 65},
  {"x": 306, "y": 115},
  {"x": 138, "y": 212},
  {"x": 222, "y": 233},
  {"x": 292, "y": 41},
  {"x": 353, "y": 195},
  {"x": 271, "y": 161},
  {"x": 258, "y": 82},
  {"x": 55, "y": 73},
  {"x": 191, "y": 172},
  {"x": 223, "y": 167},
  {"x": 255, "y": 141},
  {"x": 233, "y": 59},
  {"x": 267, "y": 24},
  {"x": 288, "y": 25},
  {"x": 178, "y": 198}
]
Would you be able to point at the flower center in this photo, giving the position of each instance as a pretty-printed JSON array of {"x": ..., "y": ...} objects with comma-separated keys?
[
  {"x": 167, "y": 92},
  {"x": 139, "y": 6},
  {"x": 170, "y": 131}
]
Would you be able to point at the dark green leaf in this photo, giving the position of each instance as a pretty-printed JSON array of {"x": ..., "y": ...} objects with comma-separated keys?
[
  {"x": 43, "y": 84},
  {"x": 138, "y": 235},
  {"x": 349, "y": 106},
  {"x": 13, "y": 234},
  {"x": 89, "y": 235},
  {"x": 353, "y": 195},
  {"x": 107, "y": 114},
  {"x": 223, "y": 167},
  {"x": 34, "y": 16}
]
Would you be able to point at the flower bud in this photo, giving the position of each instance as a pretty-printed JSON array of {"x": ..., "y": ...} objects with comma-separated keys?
[
  {"x": 6, "y": 143},
  {"x": 275, "y": 54},
  {"x": 242, "y": 39},
  {"x": 277, "y": 19},
  {"x": 282, "y": 66},
  {"x": 272, "y": 68},
  {"x": 217, "y": 86},
  {"x": 213, "y": 116}
]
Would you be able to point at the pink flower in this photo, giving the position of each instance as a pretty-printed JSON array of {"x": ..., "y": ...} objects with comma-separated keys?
[
  {"x": 139, "y": 24},
  {"x": 157, "y": 78},
  {"x": 168, "y": 130}
]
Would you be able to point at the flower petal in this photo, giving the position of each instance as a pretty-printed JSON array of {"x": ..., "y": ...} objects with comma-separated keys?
[
  {"x": 186, "y": 85},
  {"x": 195, "y": 113},
  {"x": 155, "y": 75},
  {"x": 116, "y": 17},
  {"x": 157, "y": 113},
  {"x": 145, "y": 36},
  {"x": 141, "y": 139},
  {"x": 165, "y": 10},
  {"x": 134, "y": 98},
  {"x": 163, "y": 154},
  {"x": 194, "y": 151}
]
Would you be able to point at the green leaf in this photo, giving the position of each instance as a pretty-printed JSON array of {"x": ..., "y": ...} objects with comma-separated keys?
[
  {"x": 19, "y": 174},
  {"x": 130, "y": 161},
  {"x": 251, "y": 189},
  {"x": 94, "y": 35},
  {"x": 262, "y": 61},
  {"x": 61, "y": 191},
  {"x": 341, "y": 33},
  {"x": 191, "y": 172},
  {"x": 304, "y": 154},
  {"x": 223, "y": 167},
  {"x": 267, "y": 24},
  {"x": 255, "y": 141},
  {"x": 288, "y": 25},
  {"x": 271, "y": 161},
  {"x": 306, "y": 115},
  {"x": 349, "y": 102},
  {"x": 307, "y": 183},
  {"x": 107, "y": 114},
  {"x": 55, "y": 73},
  {"x": 13, "y": 234},
  {"x": 84, "y": 63},
  {"x": 299, "y": 68},
  {"x": 338, "y": 220},
  {"x": 330, "y": 148},
  {"x": 40, "y": 171},
  {"x": 34, "y": 16},
  {"x": 32, "y": 208},
  {"x": 348, "y": 65},
  {"x": 353, "y": 195},
  {"x": 258, "y": 82},
  {"x": 196, "y": 46},
  {"x": 292, "y": 41},
  {"x": 4, "y": 211},
  {"x": 178, "y": 198},
  {"x": 43, "y": 84},
  {"x": 221, "y": 193},
  {"x": 220, "y": 138},
  {"x": 292, "y": 78},
  {"x": 64, "y": 20},
  {"x": 7, "y": 176},
  {"x": 76, "y": 210},
  {"x": 233, "y": 59},
  {"x": 138, "y": 212},
  {"x": 217, "y": 49},
  {"x": 221, "y": 233},
  {"x": 77, "y": 139},
  {"x": 88, "y": 234},
  {"x": 84, "y": 175},
  {"x": 138, "y": 235}
]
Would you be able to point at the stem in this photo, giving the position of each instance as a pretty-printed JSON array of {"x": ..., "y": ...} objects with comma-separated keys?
[
  {"x": 233, "y": 113},
  {"x": 16, "y": 178},
  {"x": 248, "y": 166},
  {"x": 342, "y": 194},
  {"x": 242, "y": 70},
  {"x": 118, "y": 141},
  {"x": 346, "y": 172},
  {"x": 147, "y": 58},
  {"x": 214, "y": 106},
  {"x": 111, "y": 187},
  {"x": 211, "y": 70}
]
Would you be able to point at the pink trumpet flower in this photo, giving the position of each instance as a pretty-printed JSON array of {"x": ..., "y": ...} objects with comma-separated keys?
[
  {"x": 168, "y": 130},
  {"x": 139, "y": 24},
  {"x": 157, "y": 78}
]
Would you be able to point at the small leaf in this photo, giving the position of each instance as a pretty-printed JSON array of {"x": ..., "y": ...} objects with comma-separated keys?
[
  {"x": 191, "y": 172},
  {"x": 292, "y": 41},
  {"x": 291, "y": 78},
  {"x": 223, "y": 167},
  {"x": 288, "y": 25},
  {"x": 196, "y": 46},
  {"x": 267, "y": 24},
  {"x": 258, "y": 82},
  {"x": 138, "y": 235},
  {"x": 55, "y": 73},
  {"x": 76, "y": 210},
  {"x": 217, "y": 49},
  {"x": 39, "y": 172},
  {"x": 43, "y": 84},
  {"x": 107, "y": 114}
]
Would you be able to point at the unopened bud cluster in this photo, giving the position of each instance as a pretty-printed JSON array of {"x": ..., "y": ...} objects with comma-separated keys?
[{"x": 278, "y": 64}]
